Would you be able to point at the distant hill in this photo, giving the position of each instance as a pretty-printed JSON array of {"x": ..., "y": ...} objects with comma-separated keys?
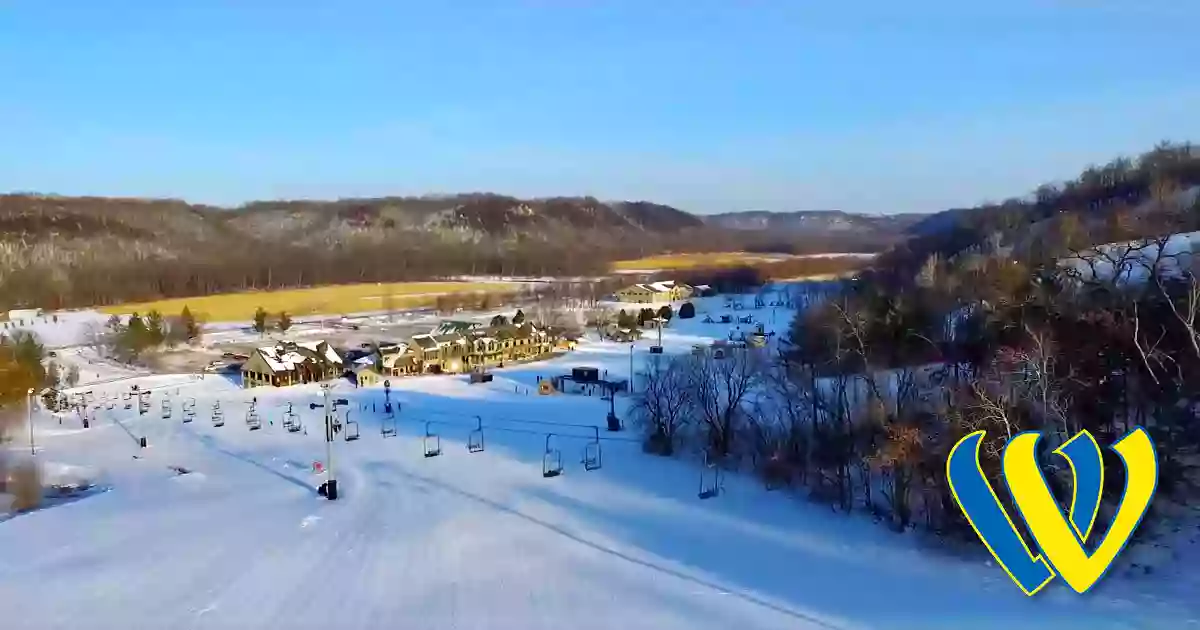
[
  {"x": 816, "y": 222},
  {"x": 57, "y": 250}
]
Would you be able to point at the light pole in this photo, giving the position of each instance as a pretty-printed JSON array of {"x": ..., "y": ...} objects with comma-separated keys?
[{"x": 32, "y": 447}]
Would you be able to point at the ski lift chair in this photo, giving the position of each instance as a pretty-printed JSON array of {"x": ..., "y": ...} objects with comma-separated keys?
[
  {"x": 711, "y": 482},
  {"x": 475, "y": 438},
  {"x": 592, "y": 455},
  {"x": 350, "y": 428},
  {"x": 253, "y": 421},
  {"x": 166, "y": 409},
  {"x": 291, "y": 421},
  {"x": 432, "y": 442},
  {"x": 218, "y": 416},
  {"x": 387, "y": 426},
  {"x": 551, "y": 460}
]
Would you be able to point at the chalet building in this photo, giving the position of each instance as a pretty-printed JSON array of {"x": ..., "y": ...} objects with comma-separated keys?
[
  {"x": 452, "y": 347},
  {"x": 398, "y": 360},
  {"x": 468, "y": 348},
  {"x": 292, "y": 363},
  {"x": 655, "y": 293}
]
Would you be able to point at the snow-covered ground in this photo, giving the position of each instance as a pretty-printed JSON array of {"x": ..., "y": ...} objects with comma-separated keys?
[
  {"x": 468, "y": 540},
  {"x": 1133, "y": 261},
  {"x": 61, "y": 328}
]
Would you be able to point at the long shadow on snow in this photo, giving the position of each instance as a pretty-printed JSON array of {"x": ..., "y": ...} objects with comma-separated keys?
[
  {"x": 811, "y": 579},
  {"x": 710, "y": 547},
  {"x": 210, "y": 443},
  {"x": 49, "y": 502},
  {"x": 606, "y": 550},
  {"x": 670, "y": 479}
]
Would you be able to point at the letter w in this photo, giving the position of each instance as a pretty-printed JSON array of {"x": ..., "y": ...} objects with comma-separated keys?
[{"x": 1065, "y": 544}]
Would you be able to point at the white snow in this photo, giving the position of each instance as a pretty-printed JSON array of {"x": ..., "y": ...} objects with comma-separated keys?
[
  {"x": 72, "y": 328},
  {"x": 1132, "y": 261},
  {"x": 469, "y": 540}
]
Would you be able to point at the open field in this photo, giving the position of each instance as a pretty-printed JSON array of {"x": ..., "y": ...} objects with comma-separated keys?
[
  {"x": 689, "y": 261},
  {"x": 716, "y": 259},
  {"x": 349, "y": 298}
]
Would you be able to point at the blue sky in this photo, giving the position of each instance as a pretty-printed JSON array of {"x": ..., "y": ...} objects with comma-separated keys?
[{"x": 710, "y": 105}]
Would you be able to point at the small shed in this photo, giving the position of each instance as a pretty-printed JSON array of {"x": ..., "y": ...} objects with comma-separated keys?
[
  {"x": 366, "y": 375},
  {"x": 24, "y": 314},
  {"x": 585, "y": 374}
]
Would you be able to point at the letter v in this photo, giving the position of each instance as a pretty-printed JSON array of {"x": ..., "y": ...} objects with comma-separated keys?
[
  {"x": 991, "y": 522},
  {"x": 1057, "y": 538}
]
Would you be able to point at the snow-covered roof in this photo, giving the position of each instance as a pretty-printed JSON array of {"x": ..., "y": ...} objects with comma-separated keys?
[
  {"x": 279, "y": 362},
  {"x": 703, "y": 287},
  {"x": 282, "y": 359},
  {"x": 640, "y": 287},
  {"x": 329, "y": 354},
  {"x": 453, "y": 326},
  {"x": 426, "y": 342}
]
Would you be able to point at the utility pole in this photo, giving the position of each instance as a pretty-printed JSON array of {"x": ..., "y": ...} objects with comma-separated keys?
[
  {"x": 631, "y": 367},
  {"x": 32, "y": 448},
  {"x": 330, "y": 479},
  {"x": 331, "y": 492}
]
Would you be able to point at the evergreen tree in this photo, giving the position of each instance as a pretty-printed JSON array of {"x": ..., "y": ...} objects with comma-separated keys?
[
  {"x": 285, "y": 321},
  {"x": 28, "y": 353},
  {"x": 626, "y": 320},
  {"x": 53, "y": 376},
  {"x": 687, "y": 311},
  {"x": 190, "y": 326},
  {"x": 499, "y": 320},
  {"x": 72, "y": 377},
  {"x": 15, "y": 376},
  {"x": 156, "y": 332},
  {"x": 260, "y": 321},
  {"x": 518, "y": 318},
  {"x": 135, "y": 338},
  {"x": 665, "y": 312}
]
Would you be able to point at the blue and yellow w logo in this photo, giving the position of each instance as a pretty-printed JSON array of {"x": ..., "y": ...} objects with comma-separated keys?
[{"x": 1063, "y": 542}]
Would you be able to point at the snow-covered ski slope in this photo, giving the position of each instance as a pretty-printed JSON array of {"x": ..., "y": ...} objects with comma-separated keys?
[{"x": 467, "y": 540}]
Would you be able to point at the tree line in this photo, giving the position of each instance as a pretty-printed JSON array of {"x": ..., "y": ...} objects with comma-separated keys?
[
  {"x": 1030, "y": 326},
  {"x": 130, "y": 339}
]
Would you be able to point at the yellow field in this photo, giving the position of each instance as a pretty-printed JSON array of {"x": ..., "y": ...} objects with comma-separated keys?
[
  {"x": 332, "y": 300},
  {"x": 689, "y": 261}
]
